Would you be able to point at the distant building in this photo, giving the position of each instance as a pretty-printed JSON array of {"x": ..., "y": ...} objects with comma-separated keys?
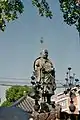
[{"x": 64, "y": 100}]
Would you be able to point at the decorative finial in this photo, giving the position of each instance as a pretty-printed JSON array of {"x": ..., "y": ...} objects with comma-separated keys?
[{"x": 41, "y": 41}]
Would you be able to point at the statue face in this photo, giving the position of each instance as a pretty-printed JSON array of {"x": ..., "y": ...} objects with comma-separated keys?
[{"x": 45, "y": 54}]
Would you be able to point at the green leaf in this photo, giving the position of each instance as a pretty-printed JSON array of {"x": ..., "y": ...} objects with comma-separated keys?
[
  {"x": 9, "y": 10},
  {"x": 43, "y": 7},
  {"x": 71, "y": 12}
]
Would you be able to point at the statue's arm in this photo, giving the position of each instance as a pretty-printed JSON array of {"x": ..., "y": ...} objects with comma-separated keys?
[
  {"x": 51, "y": 68},
  {"x": 37, "y": 65}
]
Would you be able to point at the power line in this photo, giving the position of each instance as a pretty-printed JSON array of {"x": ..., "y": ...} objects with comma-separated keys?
[
  {"x": 21, "y": 82},
  {"x": 14, "y": 82},
  {"x": 5, "y": 82},
  {"x": 22, "y": 85},
  {"x": 25, "y": 82},
  {"x": 11, "y": 84},
  {"x": 13, "y": 78}
]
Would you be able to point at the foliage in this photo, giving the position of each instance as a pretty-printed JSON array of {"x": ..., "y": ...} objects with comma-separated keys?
[
  {"x": 9, "y": 10},
  {"x": 14, "y": 93},
  {"x": 71, "y": 12},
  {"x": 43, "y": 7},
  {"x": 6, "y": 103}
]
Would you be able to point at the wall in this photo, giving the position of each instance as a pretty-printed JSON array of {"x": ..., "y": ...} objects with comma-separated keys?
[{"x": 64, "y": 101}]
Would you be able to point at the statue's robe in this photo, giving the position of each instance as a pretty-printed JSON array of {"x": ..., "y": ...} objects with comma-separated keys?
[{"x": 44, "y": 72}]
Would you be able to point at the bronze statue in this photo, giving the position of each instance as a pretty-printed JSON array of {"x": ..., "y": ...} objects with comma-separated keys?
[
  {"x": 43, "y": 81},
  {"x": 44, "y": 73}
]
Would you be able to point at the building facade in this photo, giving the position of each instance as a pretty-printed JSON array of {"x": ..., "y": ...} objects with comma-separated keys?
[{"x": 64, "y": 100}]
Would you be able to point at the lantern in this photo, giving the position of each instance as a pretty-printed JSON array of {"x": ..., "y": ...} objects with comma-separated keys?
[{"x": 72, "y": 106}]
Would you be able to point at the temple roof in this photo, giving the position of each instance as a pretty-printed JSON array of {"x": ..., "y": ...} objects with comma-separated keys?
[{"x": 26, "y": 103}]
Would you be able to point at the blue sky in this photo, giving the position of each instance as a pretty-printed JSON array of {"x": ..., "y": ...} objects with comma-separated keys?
[{"x": 20, "y": 43}]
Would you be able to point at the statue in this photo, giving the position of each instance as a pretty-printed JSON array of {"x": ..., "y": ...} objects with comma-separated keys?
[
  {"x": 43, "y": 81},
  {"x": 44, "y": 75}
]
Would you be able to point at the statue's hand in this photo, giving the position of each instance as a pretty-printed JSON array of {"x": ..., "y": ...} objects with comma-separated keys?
[
  {"x": 38, "y": 82},
  {"x": 43, "y": 69}
]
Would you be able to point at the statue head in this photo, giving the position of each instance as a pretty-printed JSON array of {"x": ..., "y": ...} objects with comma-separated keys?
[{"x": 45, "y": 53}]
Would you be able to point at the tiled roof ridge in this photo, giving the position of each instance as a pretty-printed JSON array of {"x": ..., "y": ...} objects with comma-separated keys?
[{"x": 19, "y": 100}]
